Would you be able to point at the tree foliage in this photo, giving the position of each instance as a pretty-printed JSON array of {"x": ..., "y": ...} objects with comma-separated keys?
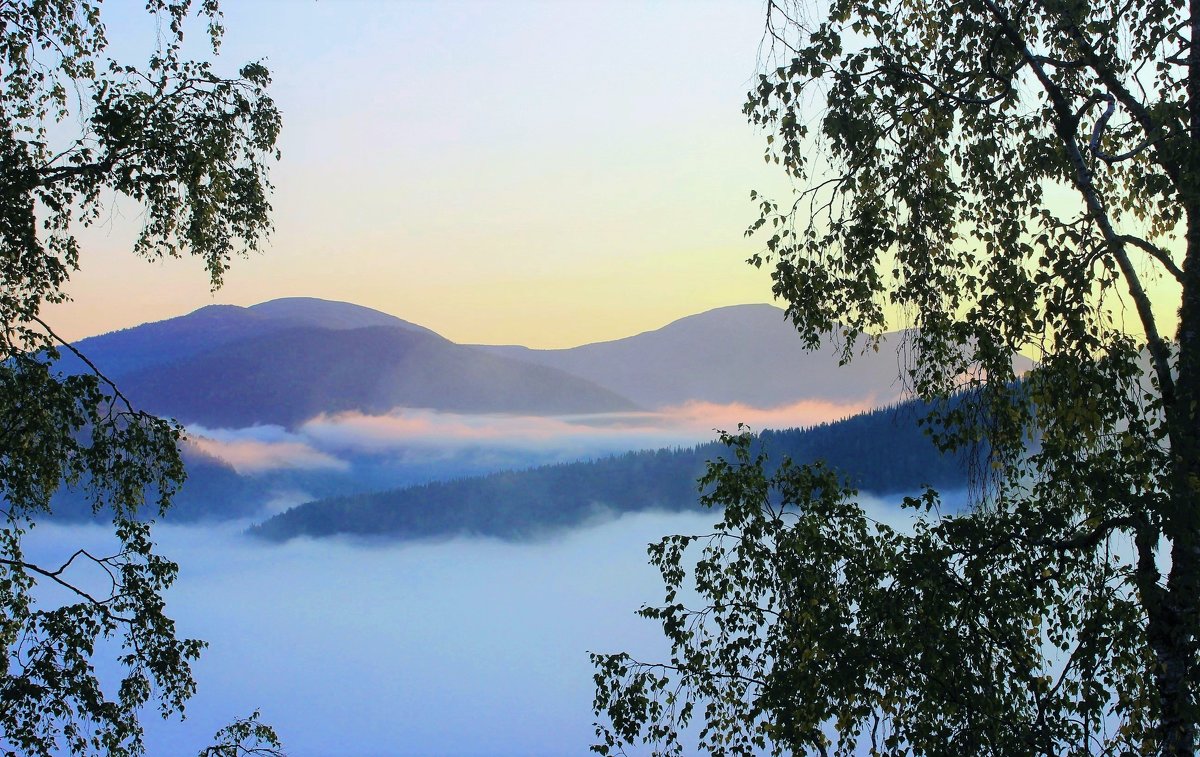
[
  {"x": 1003, "y": 175},
  {"x": 247, "y": 737},
  {"x": 191, "y": 147}
]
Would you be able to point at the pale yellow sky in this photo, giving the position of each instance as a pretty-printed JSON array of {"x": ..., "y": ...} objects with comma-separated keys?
[
  {"x": 543, "y": 173},
  {"x": 534, "y": 172}
]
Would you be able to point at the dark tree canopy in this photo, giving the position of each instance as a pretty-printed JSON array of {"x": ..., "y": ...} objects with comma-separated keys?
[
  {"x": 191, "y": 147},
  {"x": 1002, "y": 176}
]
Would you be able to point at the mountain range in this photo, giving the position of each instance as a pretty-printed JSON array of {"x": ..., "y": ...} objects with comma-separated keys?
[
  {"x": 281, "y": 364},
  {"x": 287, "y": 360},
  {"x": 294, "y": 374},
  {"x": 748, "y": 354},
  {"x": 211, "y": 327}
]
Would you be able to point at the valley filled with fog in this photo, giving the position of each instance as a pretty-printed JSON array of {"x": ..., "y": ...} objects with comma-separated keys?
[
  {"x": 369, "y": 368},
  {"x": 369, "y": 648},
  {"x": 399, "y": 545}
]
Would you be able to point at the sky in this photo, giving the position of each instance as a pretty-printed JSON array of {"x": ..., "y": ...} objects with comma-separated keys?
[{"x": 543, "y": 173}]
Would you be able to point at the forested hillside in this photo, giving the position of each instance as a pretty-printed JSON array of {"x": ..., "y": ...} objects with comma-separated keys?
[{"x": 880, "y": 451}]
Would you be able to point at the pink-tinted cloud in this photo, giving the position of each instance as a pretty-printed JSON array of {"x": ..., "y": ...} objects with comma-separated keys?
[
  {"x": 686, "y": 424},
  {"x": 327, "y": 441},
  {"x": 705, "y": 416},
  {"x": 250, "y": 456}
]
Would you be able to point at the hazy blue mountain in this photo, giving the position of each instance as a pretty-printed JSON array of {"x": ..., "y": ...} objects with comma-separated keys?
[
  {"x": 217, "y": 364},
  {"x": 742, "y": 353},
  {"x": 289, "y": 376},
  {"x": 329, "y": 314},
  {"x": 287, "y": 360},
  {"x": 165, "y": 342},
  {"x": 882, "y": 451}
]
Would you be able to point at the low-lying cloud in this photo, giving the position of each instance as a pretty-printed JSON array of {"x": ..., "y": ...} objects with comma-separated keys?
[
  {"x": 710, "y": 415},
  {"x": 249, "y": 452},
  {"x": 461, "y": 647},
  {"x": 325, "y": 442}
]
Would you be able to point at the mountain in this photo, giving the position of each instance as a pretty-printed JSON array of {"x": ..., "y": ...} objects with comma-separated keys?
[
  {"x": 166, "y": 342},
  {"x": 289, "y": 376},
  {"x": 748, "y": 354},
  {"x": 330, "y": 314},
  {"x": 883, "y": 451},
  {"x": 285, "y": 360},
  {"x": 743, "y": 353},
  {"x": 288, "y": 360}
]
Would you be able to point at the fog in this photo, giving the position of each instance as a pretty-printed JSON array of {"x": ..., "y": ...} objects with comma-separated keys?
[
  {"x": 358, "y": 647},
  {"x": 463, "y": 647},
  {"x": 328, "y": 441}
]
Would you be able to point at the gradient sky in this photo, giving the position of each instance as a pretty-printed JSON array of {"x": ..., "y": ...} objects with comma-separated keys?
[{"x": 545, "y": 173}]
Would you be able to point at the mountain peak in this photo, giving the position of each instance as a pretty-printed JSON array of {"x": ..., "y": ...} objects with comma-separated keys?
[
  {"x": 330, "y": 314},
  {"x": 213, "y": 310},
  {"x": 738, "y": 353}
]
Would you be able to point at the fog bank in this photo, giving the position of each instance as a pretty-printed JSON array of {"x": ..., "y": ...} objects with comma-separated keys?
[
  {"x": 329, "y": 441},
  {"x": 353, "y": 648}
]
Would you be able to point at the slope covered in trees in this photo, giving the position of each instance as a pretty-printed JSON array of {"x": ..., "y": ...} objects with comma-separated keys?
[{"x": 880, "y": 451}]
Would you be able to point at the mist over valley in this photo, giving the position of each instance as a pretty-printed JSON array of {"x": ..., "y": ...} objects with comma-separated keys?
[
  {"x": 396, "y": 545},
  {"x": 305, "y": 399}
]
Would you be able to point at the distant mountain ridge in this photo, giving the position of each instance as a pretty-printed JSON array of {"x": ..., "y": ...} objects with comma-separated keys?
[
  {"x": 289, "y": 376},
  {"x": 742, "y": 353},
  {"x": 163, "y": 342},
  {"x": 747, "y": 354},
  {"x": 288, "y": 360},
  {"x": 330, "y": 314}
]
